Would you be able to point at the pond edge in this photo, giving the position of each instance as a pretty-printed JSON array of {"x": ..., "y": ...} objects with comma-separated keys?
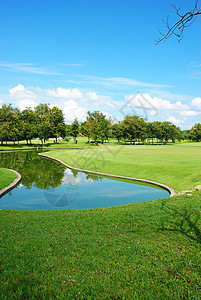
[
  {"x": 169, "y": 189},
  {"x": 11, "y": 185}
]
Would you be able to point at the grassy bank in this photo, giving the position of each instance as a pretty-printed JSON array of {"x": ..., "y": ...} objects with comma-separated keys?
[
  {"x": 141, "y": 251},
  {"x": 6, "y": 177},
  {"x": 177, "y": 165},
  {"x": 148, "y": 250}
]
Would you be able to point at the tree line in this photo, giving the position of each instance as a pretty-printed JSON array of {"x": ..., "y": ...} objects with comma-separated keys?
[
  {"x": 133, "y": 129},
  {"x": 44, "y": 122}
]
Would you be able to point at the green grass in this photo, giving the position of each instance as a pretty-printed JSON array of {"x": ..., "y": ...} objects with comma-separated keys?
[
  {"x": 177, "y": 165},
  {"x": 82, "y": 142},
  {"x": 141, "y": 251},
  {"x": 147, "y": 250},
  {"x": 7, "y": 177},
  {"x": 50, "y": 143}
]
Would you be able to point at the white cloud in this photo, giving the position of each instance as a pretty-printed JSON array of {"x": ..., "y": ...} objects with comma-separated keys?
[
  {"x": 110, "y": 104},
  {"x": 19, "y": 92},
  {"x": 164, "y": 104},
  {"x": 23, "y": 97},
  {"x": 177, "y": 122},
  {"x": 129, "y": 81},
  {"x": 92, "y": 96},
  {"x": 65, "y": 93},
  {"x": 197, "y": 103},
  {"x": 75, "y": 103},
  {"x": 28, "y": 68},
  {"x": 153, "y": 105},
  {"x": 16, "y": 89},
  {"x": 78, "y": 103},
  {"x": 72, "y": 110},
  {"x": 118, "y": 81},
  {"x": 168, "y": 95},
  {"x": 189, "y": 113},
  {"x": 149, "y": 107},
  {"x": 23, "y": 104}
]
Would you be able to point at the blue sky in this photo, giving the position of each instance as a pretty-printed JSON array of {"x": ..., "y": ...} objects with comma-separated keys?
[{"x": 96, "y": 54}]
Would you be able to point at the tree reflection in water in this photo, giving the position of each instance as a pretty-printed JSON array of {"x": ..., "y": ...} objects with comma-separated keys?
[
  {"x": 37, "y": 171},
  {"x": 47, "y": 184}
]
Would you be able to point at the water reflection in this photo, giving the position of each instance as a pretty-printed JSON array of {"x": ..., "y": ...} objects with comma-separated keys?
[
  {"x": 47, "y": 184},
  {"x": 40, "y": 172}
]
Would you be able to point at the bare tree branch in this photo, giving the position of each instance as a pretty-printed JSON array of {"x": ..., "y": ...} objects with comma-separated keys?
[{"x": 177, "y": 29}]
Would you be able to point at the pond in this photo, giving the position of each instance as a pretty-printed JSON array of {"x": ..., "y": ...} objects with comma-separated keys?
[{"x": 49, "y": 185}]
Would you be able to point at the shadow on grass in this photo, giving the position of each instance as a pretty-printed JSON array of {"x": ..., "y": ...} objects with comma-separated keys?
[{"x": 181, "y": 220}]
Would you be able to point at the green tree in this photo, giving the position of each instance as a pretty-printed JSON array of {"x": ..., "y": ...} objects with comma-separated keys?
[
  {"x": 195, "y": 133},
  {"x": 75, "y": 129},
  {"x": 135, "y": 128},
  {"x": 85, "y": 129},
  {"x": 116, "y": 131},
  {"x": 42, "y": 109},
  {"x": 170, "y": 131},
  {"x": 15, "y": 126},
  {"x": 8, "y": 127},
  {"x": 157, "y": 130},
  {"x": 175, "y": 133},
  {"x": 58, "y": 123},
  {"x": 28, "y": 124},
  {"x": 99, "y": 126},
  {"x": 45, "y": 127}
]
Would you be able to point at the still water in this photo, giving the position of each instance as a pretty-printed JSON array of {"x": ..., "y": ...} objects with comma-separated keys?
[{"x": 48, "y": 185}]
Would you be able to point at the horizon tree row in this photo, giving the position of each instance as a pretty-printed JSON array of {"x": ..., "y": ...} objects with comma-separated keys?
[
  {"x": 132, "y": 129},
  {"x": 44, "y": 122}
]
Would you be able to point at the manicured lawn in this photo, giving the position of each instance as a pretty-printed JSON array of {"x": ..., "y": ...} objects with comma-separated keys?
[
  {"x": 148, "y": 250},
  {"x": 142, "y": 251},
  {"x": 178, "y": 166},
  {"x": 6, "y": 177},
  {"x": 50, "y": 143}
]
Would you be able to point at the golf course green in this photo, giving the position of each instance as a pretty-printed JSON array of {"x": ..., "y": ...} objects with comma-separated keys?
[
  {"x": 148, "y": 250},
  {"x": 176, "y": 165}
]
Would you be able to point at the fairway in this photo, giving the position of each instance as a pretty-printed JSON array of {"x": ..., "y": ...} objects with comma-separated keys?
[
  {"x": 176, "y": 165},
  {"x": 148, "y": 250},
  {"x": 7, "y": 177}
]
